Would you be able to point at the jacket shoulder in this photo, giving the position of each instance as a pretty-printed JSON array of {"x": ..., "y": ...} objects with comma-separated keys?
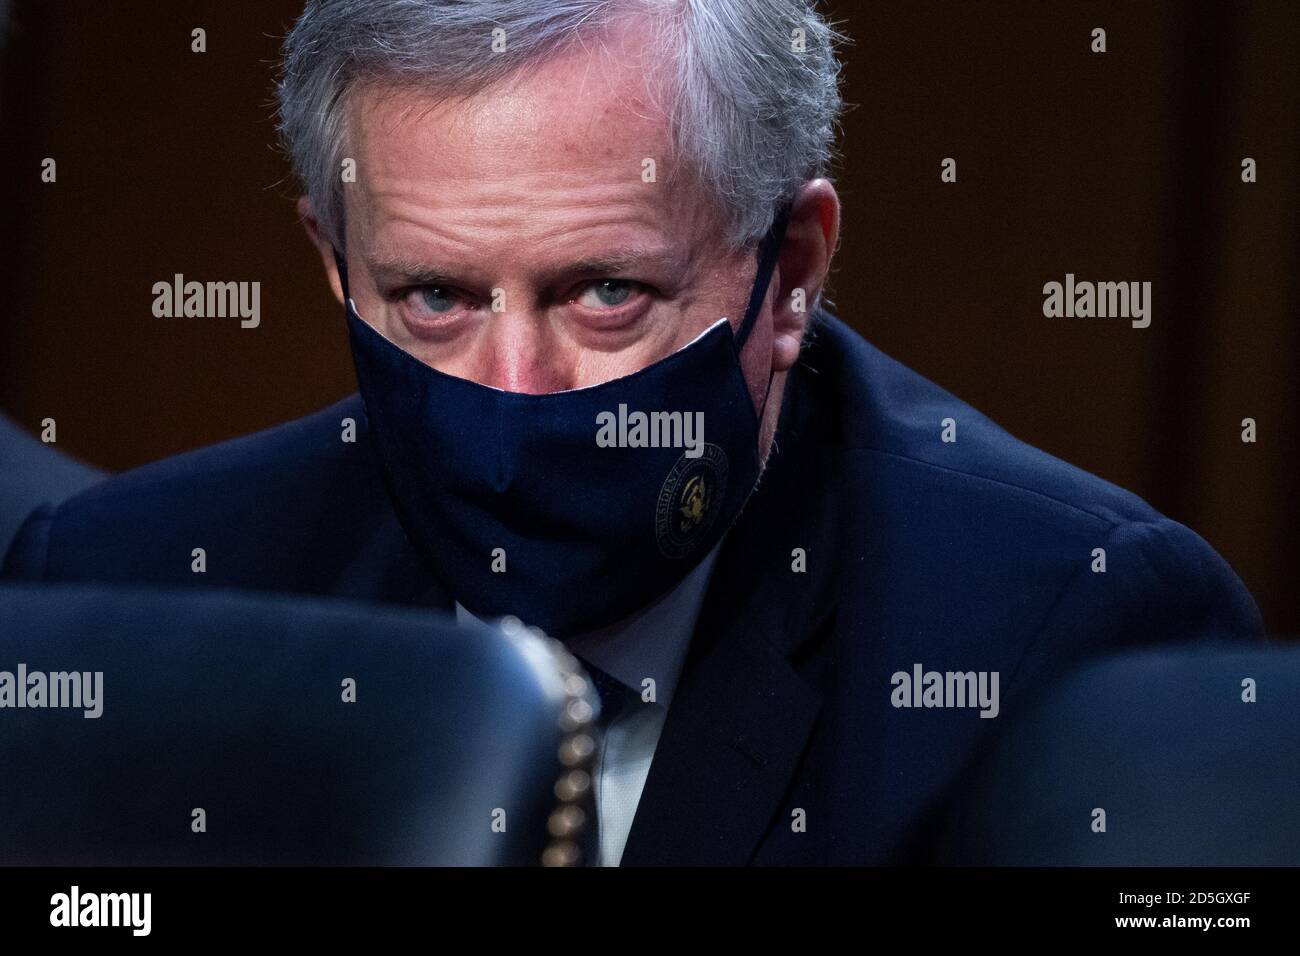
[
  {"x": 898, "y": 414},
  {"x": 988, "y": 529},
  {"x": 248, "y": 503}
]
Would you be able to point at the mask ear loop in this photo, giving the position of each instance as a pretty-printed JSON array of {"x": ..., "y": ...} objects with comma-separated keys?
[
  {"x": 342, "y": 265},
  {"x": 766, "y": 264},
  {"x": 762, "y": 279},
  {"x": 339, "y": 261},
  {"x": 771, "y": 376}
]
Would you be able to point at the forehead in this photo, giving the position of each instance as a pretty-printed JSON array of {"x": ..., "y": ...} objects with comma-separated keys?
[{"x": 577, "y": 130}]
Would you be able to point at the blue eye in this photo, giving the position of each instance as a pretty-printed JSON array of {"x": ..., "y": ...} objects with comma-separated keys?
[
  {"x": 607, "y": 293},
  {"x": 437, "y": 298}
]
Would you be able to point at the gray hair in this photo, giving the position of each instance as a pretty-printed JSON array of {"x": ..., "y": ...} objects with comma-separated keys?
[{"x": 753, "y": 114}]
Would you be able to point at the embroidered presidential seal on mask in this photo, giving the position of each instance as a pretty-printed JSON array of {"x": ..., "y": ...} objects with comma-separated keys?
[{"x": 690, "y": 500}]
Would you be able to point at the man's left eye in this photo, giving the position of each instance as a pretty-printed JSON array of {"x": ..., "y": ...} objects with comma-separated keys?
[{"x": 607, "y": 293}]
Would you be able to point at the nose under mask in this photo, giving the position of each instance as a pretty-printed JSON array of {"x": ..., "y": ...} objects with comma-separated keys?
[{"x": 573, "y": 509}]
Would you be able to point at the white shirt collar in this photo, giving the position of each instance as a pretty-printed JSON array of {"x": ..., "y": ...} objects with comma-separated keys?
[{"x": 649, "y": 643}]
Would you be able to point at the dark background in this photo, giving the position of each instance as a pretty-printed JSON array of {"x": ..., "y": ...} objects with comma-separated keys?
[{"x": 1124, "y": 166}]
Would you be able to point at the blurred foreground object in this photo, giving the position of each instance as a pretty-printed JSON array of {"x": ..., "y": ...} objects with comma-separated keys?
[
  {"x": 1187, "y": 772},
  {"x": 234, "y": 729}
]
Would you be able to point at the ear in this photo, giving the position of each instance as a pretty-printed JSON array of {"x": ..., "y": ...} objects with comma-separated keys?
[
  {"x": 810, "y": 240},
  {"x": 323, "y": 246}
]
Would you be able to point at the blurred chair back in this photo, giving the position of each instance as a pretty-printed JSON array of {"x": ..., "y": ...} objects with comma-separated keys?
[
  {"x": 1186, "y": 771},
  {"x": 296, "y": 732}
]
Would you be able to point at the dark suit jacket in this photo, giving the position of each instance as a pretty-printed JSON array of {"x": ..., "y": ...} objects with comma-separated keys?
[
  {"x": 782, "y": 745},
  {"x": 30, "y": 473}
]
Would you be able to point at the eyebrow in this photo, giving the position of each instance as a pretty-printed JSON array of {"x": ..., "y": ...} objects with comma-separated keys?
[
  {"x": 626, "y": 257},
  {"x": 407, "y": 271},
  {"x": 620, "y": 259}
]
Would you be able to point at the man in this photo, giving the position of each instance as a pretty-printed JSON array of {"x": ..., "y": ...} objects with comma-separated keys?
[{"x": 806, "y": 580}]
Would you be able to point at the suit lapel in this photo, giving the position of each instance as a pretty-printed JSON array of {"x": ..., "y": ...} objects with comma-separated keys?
[
  {"x": 736, "y": 729},
  {"x": 741, "y": 716}
]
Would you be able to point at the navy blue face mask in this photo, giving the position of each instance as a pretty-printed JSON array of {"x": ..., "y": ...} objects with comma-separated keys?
[{"x": 558, "y": 508}]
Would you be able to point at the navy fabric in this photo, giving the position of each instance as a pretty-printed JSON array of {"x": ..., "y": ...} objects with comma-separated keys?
[
  {"x": 1186, "y": 771},
  {"x": 611, "y": 692},
  {"x": 522, "y": 473},
  {"x": 971, "y": 555},
  {"x": 519, "y": 477},
  {"x": 31, "y": 473},
  {"x": 234, "y": 704}
]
